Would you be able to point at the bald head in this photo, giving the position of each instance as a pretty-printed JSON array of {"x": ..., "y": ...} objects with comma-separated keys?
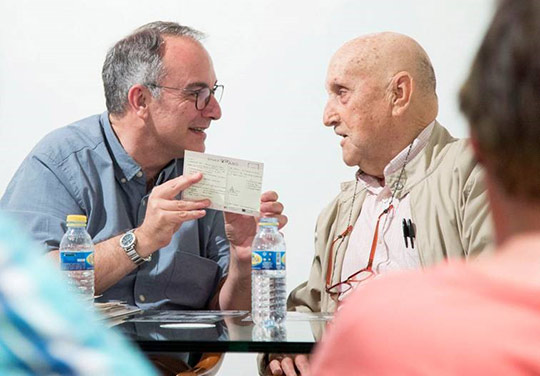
[{"x": 384, "y": 54}]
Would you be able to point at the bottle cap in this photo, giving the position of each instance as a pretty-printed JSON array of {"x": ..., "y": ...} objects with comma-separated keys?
[{"x": 76, "y": 218}]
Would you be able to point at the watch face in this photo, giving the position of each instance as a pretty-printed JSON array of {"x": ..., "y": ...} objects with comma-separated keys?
[{"x": 127, "y": 240}]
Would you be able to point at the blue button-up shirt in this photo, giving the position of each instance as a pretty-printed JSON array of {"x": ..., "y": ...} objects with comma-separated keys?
[{"x": 83, "y": 169}]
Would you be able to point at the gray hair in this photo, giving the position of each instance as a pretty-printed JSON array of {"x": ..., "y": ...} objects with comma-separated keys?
[{"x": 138, "y": 59}]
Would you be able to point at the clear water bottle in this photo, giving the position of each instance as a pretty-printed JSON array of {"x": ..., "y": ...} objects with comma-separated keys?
[
  {"x": 77, "y": 256},
  {"x": 268, "y": 285},
  {"x": 276, "y": 333}
]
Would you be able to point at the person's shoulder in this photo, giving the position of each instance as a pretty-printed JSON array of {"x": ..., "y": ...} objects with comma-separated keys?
[
  {"x": 63, "y": 142},
  {"x": 458, "y": 147},
  {"x": 452, "y": 153},
  {"x": 452, "y": 146}
]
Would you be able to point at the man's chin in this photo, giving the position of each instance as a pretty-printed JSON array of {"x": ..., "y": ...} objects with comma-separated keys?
[
  {"x": 197, "y": 148},
  {"x": 350, "y": 161}
]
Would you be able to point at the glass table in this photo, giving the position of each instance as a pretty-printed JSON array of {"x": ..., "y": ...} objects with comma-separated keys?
[{"x": 222, "y": 331}]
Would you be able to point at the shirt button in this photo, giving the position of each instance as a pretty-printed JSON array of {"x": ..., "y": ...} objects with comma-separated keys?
[
  {"x": 123, "y": 180},
  {"x": 139, "y": 174},
  {"x": 142, "y": 298}
]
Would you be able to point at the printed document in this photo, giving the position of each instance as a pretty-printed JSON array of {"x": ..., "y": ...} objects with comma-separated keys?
[{"x": 232, "y": 185}]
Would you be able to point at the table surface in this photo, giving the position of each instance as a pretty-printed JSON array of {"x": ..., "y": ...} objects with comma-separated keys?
[{"x": 222, "y": 331}]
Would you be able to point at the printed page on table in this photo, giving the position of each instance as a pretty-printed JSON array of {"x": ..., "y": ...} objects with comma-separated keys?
[{"x": 232, "y": 185}]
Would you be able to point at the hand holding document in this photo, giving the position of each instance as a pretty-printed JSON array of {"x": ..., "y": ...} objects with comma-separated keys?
[{"x": 232, "y": 185}]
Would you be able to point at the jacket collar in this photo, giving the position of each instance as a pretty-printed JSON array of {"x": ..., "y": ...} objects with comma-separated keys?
[{"x": 423, "y": 164}]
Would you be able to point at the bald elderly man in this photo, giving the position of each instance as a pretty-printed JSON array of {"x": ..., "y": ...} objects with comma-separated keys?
[{"x": 418, "y": 197}]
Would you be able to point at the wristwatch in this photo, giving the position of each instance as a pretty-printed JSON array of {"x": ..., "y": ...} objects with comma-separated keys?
[{"x": 128, "y": 242}]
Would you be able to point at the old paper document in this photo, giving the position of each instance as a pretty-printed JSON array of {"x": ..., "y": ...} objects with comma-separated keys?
[{"x": 233, "y": 185}]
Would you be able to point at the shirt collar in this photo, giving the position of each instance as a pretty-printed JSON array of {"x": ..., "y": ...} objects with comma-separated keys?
[{"x": 129, "y": 168}]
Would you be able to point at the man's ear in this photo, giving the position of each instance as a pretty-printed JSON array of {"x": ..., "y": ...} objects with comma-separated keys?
[
  {"x": 401, "y": 88},
  {"x": 138, "y": 100}
]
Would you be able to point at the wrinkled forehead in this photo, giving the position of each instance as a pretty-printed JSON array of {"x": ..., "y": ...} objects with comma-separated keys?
[{"x": 350, "y": 63}]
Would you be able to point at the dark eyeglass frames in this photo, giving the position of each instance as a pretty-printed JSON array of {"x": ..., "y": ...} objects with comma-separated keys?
[{"x": 202, "y": 96}]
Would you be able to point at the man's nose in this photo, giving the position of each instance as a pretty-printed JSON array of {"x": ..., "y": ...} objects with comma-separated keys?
[
  {"x": 330, "y": 116},
  {"x": 213, "y": 109}
]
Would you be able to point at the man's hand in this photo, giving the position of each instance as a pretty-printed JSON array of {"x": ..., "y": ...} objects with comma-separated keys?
[
  {"x": 165, "y": 214},
  {"x": 241, "y": 229},
  {"x": 288, "y": 365}
]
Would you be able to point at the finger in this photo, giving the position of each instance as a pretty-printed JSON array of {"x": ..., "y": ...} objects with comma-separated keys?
[
  {"x": 288, "y": 367},
  {"x": 269, "y": 196},
  {"x": 179, "y": 205},
  {"x": 173, "y": 187},
  {"x": 302, "y": 363},
  {"x": 271, "y": 207},
  {"x": 277, "y": 356},
  {"x": 179, "y": 217},
  {"x": 275, "y": 367}
]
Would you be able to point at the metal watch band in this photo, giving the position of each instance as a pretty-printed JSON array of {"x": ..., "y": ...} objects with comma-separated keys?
[{"x": 131, "y": 252}]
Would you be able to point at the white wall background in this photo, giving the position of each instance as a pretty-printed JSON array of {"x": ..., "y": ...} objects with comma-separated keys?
[{"x": 271, "y": 55}]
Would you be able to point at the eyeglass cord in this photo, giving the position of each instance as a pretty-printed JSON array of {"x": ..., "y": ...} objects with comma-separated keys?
[{"x": 399, "y": 177}]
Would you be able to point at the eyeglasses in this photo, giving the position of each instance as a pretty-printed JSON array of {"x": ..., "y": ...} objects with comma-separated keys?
[
  {"x": 362, "y": 274},
  {"x": 202, "y": 96}
]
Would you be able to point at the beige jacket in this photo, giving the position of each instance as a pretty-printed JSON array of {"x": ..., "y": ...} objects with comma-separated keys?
[{"x": 448, "y": 206}]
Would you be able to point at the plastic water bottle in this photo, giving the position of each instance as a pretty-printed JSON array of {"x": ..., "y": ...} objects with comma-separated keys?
[
  {"x": 268, "y": 285},
  {"x": 77, "y": 256}
]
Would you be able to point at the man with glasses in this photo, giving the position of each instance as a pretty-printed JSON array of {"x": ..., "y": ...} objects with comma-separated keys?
[
  {"x": 418, "y": 197},
  {"x": 123, "y": 170}
]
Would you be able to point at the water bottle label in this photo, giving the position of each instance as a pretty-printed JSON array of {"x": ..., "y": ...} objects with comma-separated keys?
[
  {"x": 83, "y": 260},
  {"x": 265, "y": 260}
]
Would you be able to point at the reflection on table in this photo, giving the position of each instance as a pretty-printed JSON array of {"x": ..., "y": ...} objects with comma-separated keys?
[{"x": 222, "y": 331}]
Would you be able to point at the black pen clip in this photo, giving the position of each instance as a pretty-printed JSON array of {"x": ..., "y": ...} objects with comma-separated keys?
[
  {"x": 408, "y": 232},
  {"x": 405, "y": 232},
  {"x": 412, "y": 232}
]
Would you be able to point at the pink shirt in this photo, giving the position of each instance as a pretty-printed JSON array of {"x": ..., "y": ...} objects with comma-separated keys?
[
  {"x": 391, "y": 252},
  {"x": 451, "y": 320}
]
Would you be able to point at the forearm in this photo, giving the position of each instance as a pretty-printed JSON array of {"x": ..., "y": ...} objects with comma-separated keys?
[
  {"x": 111, "y": 262},
  {"x": 236, "y": 291}
]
